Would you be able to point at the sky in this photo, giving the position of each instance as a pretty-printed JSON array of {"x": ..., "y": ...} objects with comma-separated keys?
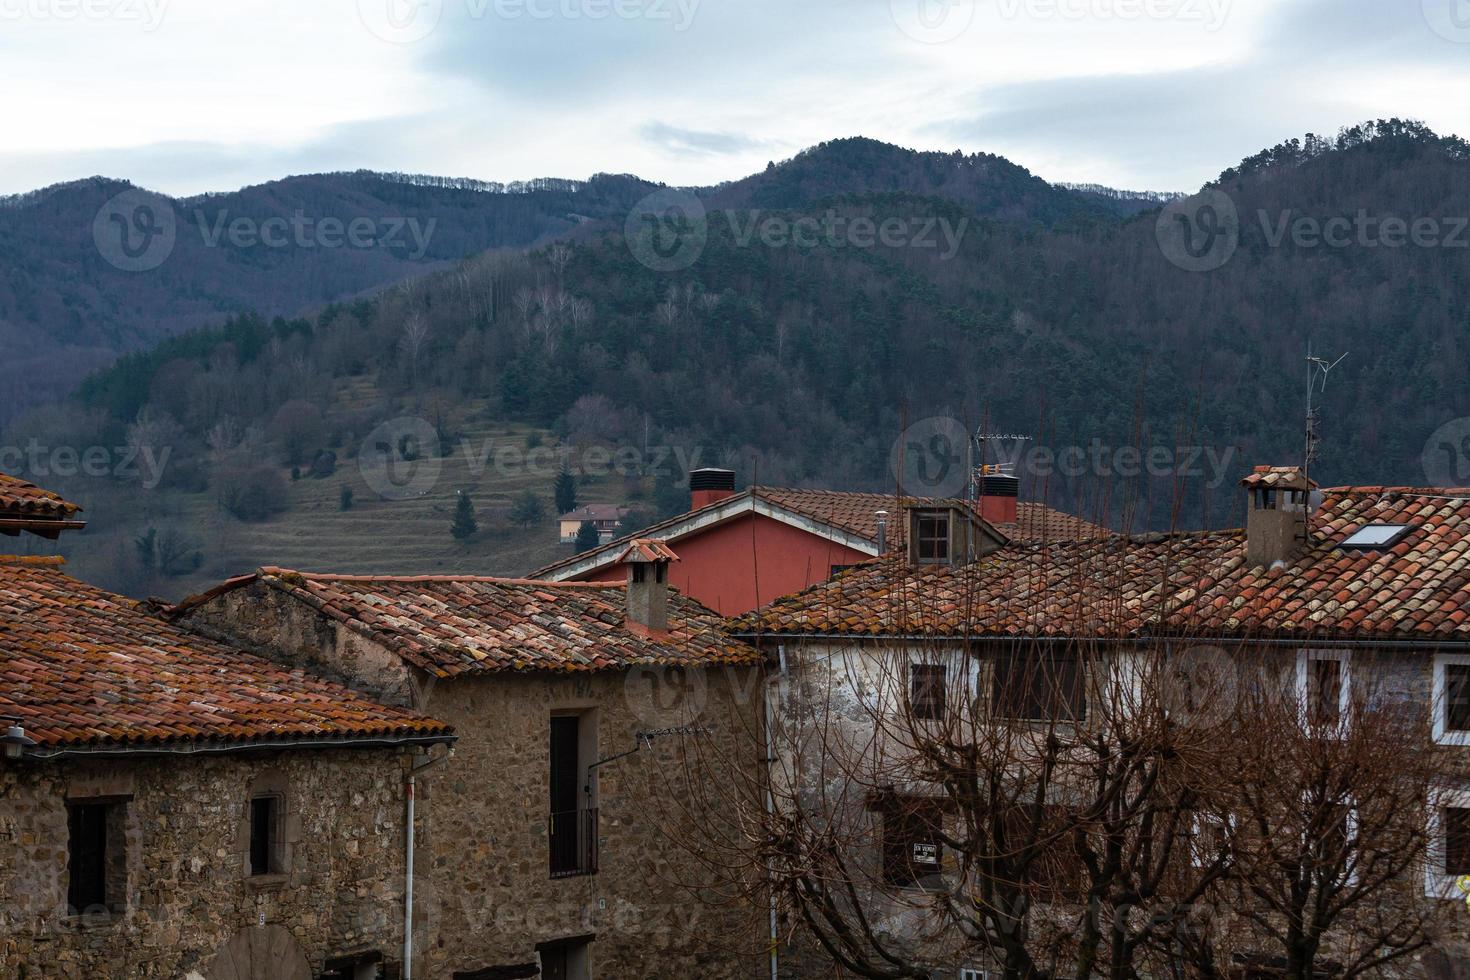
[{"x": 187, "y": 96}]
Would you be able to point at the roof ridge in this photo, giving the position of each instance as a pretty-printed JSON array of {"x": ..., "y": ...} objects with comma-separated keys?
[
  {"x": 273, "y": 571},
  {"x": 1446, "y": 493},
  {"x": 33, "y": 560}
]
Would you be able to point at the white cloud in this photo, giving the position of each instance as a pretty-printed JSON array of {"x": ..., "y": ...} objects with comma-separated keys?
[{"x": 1140, "y": 93}]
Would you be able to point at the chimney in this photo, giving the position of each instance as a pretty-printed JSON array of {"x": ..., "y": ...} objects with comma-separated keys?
[
  {"x": 882, "y": 532},
  {"x": 1276, "y": 525},
  {"x": 1000, "y": 495},
  {"x": 648, "y": 582},
  {"x": 710, "y": 486}
]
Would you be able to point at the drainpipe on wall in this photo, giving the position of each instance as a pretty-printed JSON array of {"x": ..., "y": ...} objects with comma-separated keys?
[{"x": 408, "y": 788}]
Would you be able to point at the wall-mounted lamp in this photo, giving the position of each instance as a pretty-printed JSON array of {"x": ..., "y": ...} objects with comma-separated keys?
[{"x": 16, "y": 741}]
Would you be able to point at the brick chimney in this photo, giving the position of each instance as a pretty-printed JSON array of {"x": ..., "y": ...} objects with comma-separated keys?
[
  {"x": 710, "y": 486},
  {"x": 1276, "y": 524},
  {"x": 648, "y": 582},
  {"x": 999, "y": 496}
]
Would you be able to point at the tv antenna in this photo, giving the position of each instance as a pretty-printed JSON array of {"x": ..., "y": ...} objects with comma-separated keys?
[
  {"x": 1318, "y": 369},
  {"x": 983, "y": 468}
]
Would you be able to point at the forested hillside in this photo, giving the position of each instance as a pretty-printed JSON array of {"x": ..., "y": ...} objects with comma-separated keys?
[
  {"x": 66, "y": 308},
  {"x": 799, "y": 363}
]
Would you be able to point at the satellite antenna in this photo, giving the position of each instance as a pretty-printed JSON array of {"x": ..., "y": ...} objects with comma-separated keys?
[{"x": 1318, "y": 369}]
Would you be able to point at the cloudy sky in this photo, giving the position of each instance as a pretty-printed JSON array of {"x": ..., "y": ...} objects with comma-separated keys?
[{"x": 186, "y": 96}]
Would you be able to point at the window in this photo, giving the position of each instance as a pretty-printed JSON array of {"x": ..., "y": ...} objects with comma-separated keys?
[
  {"x": 1038, "y": 688},
  {"x": 931, "y": 538},
  {"x": 1449, "y": 843},
  {"x": 268, "y": 831},
  {"x": 912, "y": 852},
  {"x": 1457, "y": 840},
  {"x": 265, "y": 835},
  {"x": 1451, "y": 699},
  {"x": 96, "y": 860},
  {"x": 927, "y": 691},
  {"x": 1324, "y": 687},
  {"x": 1375, "y": 537},
  {"x": 572, "y": 824}
]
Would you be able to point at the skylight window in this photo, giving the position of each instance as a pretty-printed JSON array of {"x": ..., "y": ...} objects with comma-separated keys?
[{"x": 1376, "y": 536}]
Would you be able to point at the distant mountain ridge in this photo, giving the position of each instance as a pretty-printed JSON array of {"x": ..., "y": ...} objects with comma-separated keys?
[
  {"x": 799, "y": 364},
  {"x": 66, "y": 311}
]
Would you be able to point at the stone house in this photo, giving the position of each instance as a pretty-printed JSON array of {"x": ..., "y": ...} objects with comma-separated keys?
[
  {"x": 172, "y": 807},
  {"x": 543, "y": 844},
  {"x": 1331, "y": 587}
]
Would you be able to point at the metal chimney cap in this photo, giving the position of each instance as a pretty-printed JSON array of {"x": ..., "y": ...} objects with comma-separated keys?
[{"x": 712, "y": 478}]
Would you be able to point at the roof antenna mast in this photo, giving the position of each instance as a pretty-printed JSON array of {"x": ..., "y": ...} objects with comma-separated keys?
[
  {"x": 1318, "y": 368},
  {"x": 983, "y": 467}
]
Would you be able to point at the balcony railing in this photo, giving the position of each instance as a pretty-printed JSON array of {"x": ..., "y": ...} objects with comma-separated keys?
[{"x": 573, "y": 837}]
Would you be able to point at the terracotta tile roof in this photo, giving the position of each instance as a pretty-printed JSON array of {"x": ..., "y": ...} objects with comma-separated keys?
[
  {"x": 647, "y": 550},
  {"x": 450, "y": 625},
  {"x": 1192, "y": 583},
  {"x": 83, "y": 667},
  {"x": 26, "y": 507},
  {"x": 854, "y": 513},
  {"x": 1290, "y": 477},
  {"x": 857, "y": 513},
  {"x": 21, "y": 499}
]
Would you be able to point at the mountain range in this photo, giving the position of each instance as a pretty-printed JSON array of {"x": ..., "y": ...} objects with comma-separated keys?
[{"x": 1150, "y": 347}]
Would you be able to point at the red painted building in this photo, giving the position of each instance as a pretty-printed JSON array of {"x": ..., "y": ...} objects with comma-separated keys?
[{"x": 741, "y": 550}]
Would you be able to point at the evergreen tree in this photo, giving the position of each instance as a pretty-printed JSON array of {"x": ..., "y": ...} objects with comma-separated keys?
[
  {"x": 528, "y": 509},
  {"x": 587, "y": 537},
  {"x": 464, "y": 526},
  {"x": 566, "y": 491}
]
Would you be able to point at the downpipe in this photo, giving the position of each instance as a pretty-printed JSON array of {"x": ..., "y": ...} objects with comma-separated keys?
[{"x": 409, "y": 786}]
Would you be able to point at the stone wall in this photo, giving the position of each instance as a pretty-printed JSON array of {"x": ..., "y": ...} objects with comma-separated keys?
[
  {"x": 186, "y": 888},
  {"x": 484, "y": 889}
]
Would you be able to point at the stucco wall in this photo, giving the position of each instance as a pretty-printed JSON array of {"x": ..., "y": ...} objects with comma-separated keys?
[
  {"x": 187, "y": 885},
  {"x": 719, "y": 568}
]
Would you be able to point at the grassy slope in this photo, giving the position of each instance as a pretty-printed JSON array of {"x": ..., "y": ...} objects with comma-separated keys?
[{"x": 376, "y": 536}]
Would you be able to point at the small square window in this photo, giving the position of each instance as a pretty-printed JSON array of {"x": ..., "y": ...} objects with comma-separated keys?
[
  {"x": 931, "y": 538},
  {"x": 928, "y": 691}
]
